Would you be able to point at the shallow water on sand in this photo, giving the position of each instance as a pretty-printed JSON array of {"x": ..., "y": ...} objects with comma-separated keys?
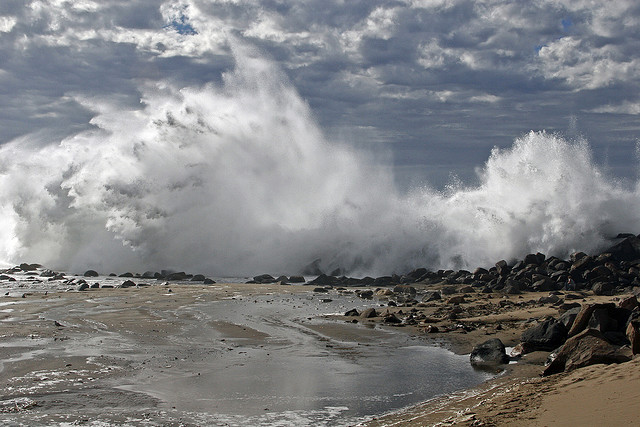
[{"x": 234, "y": 359}]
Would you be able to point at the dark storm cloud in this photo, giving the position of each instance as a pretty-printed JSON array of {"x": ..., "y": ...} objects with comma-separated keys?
[{"x": 439, "y": 82}]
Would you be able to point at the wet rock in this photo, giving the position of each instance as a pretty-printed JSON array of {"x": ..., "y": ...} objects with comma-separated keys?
[
  {"x": 489, "y": 353},
  {"x": 320, "y": 290},
  {"x": 366, "y": 294},
  {"x": 127, "y": 284},
  {"x": 431, "y": 296},
  {"x": 198, "y": 278},
  {"x": 126, "y": 275},
  {"x": 95, "y": 286},
  {"x": 91, "y": 273},
  {"x": 391, "y": 318},
  {"x": 208, "y": 281},
  {"x": 384, "y": 292},
  {"x": 178, "y": 276},
  {"x": 369, "y": 313},
  {"x": 547, "y": 335},
  {"x": 29, "y": 267},
  {"x": 352, "y": 312},
  {"x": 149, "y": 275},
  {"x": 589, "y": 347},
  {"x": 324, "y": 280},
  {"x": 404, "y": 289},
  {"x": 83, "y": 287},
  {"x": 296, "y": 279}
]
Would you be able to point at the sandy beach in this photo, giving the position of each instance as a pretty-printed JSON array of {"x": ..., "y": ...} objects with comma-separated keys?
[{"x": 185, "y": 354}]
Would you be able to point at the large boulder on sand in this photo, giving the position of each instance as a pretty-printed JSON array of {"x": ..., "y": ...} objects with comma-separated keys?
[
  {"x": 589, "y": 347},
  {"x": 489, "y": 353},
  {"x": 548, "y": 335}
]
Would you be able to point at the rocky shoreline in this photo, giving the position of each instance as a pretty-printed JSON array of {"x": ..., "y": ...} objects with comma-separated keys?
[{"x": 553, "y": 316}]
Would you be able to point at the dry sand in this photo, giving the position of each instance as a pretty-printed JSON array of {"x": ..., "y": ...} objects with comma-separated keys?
[{"x": 53, "y": 353}]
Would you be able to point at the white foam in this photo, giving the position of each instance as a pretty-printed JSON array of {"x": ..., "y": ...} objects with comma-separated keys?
[{"x": 238, "y": 179}]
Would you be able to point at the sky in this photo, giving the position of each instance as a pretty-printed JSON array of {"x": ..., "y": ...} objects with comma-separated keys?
[{"x": 432, "y": 85}]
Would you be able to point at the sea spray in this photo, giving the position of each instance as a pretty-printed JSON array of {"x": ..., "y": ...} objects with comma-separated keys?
[{"x": 237, "y": 178}]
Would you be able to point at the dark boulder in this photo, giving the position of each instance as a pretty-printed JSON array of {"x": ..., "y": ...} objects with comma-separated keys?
[
  {"x": 352, "y": 312},
  {"x": 91, "y": 273},
  {"x": 198, "y": 278},
  {"x": 603, "y": 288},
  {"x": 208, "y": 281},
  {"x": 127, "y": 284},
  {"x": 180, "y": 275},
  {"x": 489, "y": 353},
  {"x": 589, "y": 347},
  {"x": 569, "y": 316},
  {"x": 324, "y": 280},
  {"x": 264, "y": 278},
  {"x": 584, "y": 316},
  {"x": 296, "y": 279},
  {"x": 404, "y": 289},
  {"x": 627, "y": 250},
  {"x": 547, "y": 335},
  {"x": 431, "y": 296}
]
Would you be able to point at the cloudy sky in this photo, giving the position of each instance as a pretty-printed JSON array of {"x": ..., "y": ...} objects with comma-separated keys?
[{"x": 435, "y": 83}]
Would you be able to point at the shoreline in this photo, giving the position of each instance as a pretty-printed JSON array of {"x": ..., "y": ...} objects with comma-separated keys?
[{"x": 129, "y": 347}]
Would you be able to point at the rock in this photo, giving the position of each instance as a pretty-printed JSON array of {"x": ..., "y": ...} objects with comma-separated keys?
[
  {"x": 29, "y": 267},
  {"x": 198, "y": 278},
  {"x": 320, "y": 290},
  {"x": 367, "y": 294},
  {"x": 384, "y": 292},
  {"x": 489, "y": 353},
  {"x": 369, "y": 313},
  {"x": 583, "y": 317},
  {"x": 95, "y": 286},
  {"x": 208, "y": 281},
  {"x": 352, "y": 312},
  {"x": 296, "y": 279},
  {"x": 178, "y": 276},
  {"x": 126, "y": 275},
  {"x": 466, "y": 289},
  {"x": 431, "y": 296},
  {"x": 569, "y": 317},
  {"x": 127, "y": 284},
  {"x": 391, "y": 318},
  {"x": 629, "y": 303},
  {"x": 502, "y": 268},
  {"x": 551, "y": 299},
  {"x": 633, "y": 335},
  {"x": 83, "y": 287},
  {"x": 448, "y": 290},
  {"x": 148, "y": 275},
  {"x": 324, "y": 280},
  {"x": 458, "y": 299},
  {"x": 264, "y": 278},
  {"x": 521, "y": 349},
  {"x": 589, "y": 347},
  {"x": 547, "y": 335},
  {"x": 603, "y": 288},
  {"x": 91, "y": 273},
  {"x": 404, "y": 289}
]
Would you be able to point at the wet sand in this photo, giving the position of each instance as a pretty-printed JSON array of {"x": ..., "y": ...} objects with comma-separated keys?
[{"x": 186, "y": 355}]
